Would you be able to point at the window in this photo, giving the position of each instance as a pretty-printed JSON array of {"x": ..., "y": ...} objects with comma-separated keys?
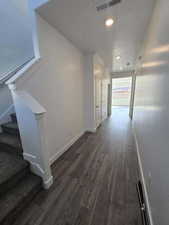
[{"x": 16, "y": 44}]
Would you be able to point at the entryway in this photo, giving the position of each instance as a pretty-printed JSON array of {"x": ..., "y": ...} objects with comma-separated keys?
[{"x": 121, "y": 93}]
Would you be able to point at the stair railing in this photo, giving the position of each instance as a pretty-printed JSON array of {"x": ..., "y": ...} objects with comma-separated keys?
[{"x": 31, "y": 121}]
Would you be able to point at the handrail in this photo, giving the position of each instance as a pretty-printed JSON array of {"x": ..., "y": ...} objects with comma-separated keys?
[
  {"x": 10, "y": 74},
  {"x": 27, "y": 100}
]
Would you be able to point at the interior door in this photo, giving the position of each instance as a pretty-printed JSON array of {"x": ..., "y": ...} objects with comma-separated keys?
[{"x": 98, "y": 107}]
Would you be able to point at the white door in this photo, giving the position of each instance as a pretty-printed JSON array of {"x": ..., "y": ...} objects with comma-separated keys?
[{"x": 98, "y": 108}]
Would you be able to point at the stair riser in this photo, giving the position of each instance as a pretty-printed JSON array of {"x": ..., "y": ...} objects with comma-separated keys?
[
  {"x": 10, "y": 131},
  {"x": 12, "y": 150},
  {"x": 12, "y": 182},
  {"x": 13, "y": 118},
  {"x": 11, "y": 217}
]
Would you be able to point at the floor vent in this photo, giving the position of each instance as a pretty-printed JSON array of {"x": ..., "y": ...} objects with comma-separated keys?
[
  {"x": 143, "y": 207},
  {"x": 106, "y": 4}
]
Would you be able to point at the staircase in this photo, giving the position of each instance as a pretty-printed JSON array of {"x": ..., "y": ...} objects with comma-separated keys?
[{"x": 17, "y": 184}]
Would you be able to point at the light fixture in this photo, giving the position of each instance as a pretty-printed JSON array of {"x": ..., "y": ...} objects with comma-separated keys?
[
  {"x": 109, "y": 22},
  {"x": 118, "y": 57}
]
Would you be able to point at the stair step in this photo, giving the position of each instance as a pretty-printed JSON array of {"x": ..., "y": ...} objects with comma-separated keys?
[
  {"x": 10, "y": 128},
  {"x": 12, "y": 170},
  {"x": 13, "y": 117},
  {"x": 10, "y": 143},
  {"x": 16, "y": 199}
]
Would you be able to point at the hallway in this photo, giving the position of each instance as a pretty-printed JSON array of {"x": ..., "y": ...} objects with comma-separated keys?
[{"x": 95, "y": 181}]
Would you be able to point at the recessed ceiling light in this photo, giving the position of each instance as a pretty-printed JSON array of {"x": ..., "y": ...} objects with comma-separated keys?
[
  {"x": 109, "y": 22},
  {"x": 118, "y": 57}
]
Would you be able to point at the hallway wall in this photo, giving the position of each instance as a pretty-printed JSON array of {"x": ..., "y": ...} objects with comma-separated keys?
[
  {"x": 151, "y": 112},
  {"x": 57, "y": 82},
  {"x": 94, "y": 67}
]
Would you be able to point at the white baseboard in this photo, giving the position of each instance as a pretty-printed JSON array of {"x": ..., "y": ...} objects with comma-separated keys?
[
  {"x": 36, "y": 169},
  {"x": 65, "y": 148},
  {"x": 143, "y": 179},
  {"x": 47, "y": 184},
  {"x": 92, "y": 130}
]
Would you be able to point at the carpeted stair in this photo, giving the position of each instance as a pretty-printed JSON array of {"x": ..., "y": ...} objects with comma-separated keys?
[{"x": 17, "y": 184}]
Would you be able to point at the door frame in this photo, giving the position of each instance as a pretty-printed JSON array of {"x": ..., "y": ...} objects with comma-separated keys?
[
  {"x": 133, "y": 84},
  {"x": 132, "y": 98},
  {"x": 98, "y": 79}
]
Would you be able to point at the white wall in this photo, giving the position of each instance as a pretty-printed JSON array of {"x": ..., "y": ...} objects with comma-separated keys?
[
  {"x": 89, "y": 93},
  {"x": 94, "y": 66},
  {"x": 57, "y": 82},
  {"x": 102, "y": 72},
  {"x": 16, "y": 35},
  {"x": 151, "y": 113}
]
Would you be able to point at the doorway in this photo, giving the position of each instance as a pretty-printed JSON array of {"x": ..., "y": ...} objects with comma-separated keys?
[
  {"x": 121, "y": 93},
  {"x": 98, "y": 106}
]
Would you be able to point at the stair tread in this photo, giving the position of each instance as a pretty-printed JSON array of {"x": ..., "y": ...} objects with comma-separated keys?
[
  {"x": 11, "y": 125},
  {"x": 15, "y": 197},
  {"x": 10, "y": 140},
  {"x": 10, "y": 165}
]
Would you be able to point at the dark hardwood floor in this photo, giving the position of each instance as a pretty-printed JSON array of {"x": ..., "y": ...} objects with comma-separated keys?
[{"x": 94, "y": 182}]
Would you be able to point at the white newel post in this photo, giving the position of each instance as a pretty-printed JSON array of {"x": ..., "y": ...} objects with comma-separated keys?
[
  {"x": 43, "y": 156},
  {"x": 31, "y": 121}
]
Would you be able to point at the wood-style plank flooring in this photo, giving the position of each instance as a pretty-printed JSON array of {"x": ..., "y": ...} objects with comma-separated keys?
[{"x": 94, "y": 182}]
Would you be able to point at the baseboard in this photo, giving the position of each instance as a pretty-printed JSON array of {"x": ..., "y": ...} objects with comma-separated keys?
[
  {"x": 47, "y": 184},
  {"x": 149, "y": 212},
  {"x": 36, "y": 169},
  {"x": 92, "y": 130},
  {"x": 65, "y": 148}
]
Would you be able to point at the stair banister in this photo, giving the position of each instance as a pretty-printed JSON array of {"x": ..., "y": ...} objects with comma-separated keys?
[{"x": 31, "y": 121}]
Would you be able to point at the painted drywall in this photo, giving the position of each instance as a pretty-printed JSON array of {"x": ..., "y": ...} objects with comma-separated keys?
[
  {"x": 38, "y": 3},
  {"x": 89, "y": 93},
  {"x": 101, "y": 72},
  {"x": 151, "y": 113},
  {"x": 57, "y": 82},
  {"x": 94, "y": 66},
  {"x": 15, "y": 23},
  {"x": 16, "y": 35}
]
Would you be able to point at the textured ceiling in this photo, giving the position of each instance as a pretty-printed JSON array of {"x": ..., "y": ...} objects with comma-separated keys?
[{"x": 80, "y": 22}]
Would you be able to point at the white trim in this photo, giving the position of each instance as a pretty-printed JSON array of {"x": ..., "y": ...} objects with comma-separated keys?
[
  {"x": 21, "y": 72},
  {"x": 36, "y": 169},
  {"x": 93, "y": 130},
  {"x": 65, "y": 148},
  {"x": 143, "y": 179},
  {"x": 47, "y": 184},
  {"x": 122, "y": 74},
  {"x": 29, "y": 156},
  {"x": 36, "y": 108}
]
